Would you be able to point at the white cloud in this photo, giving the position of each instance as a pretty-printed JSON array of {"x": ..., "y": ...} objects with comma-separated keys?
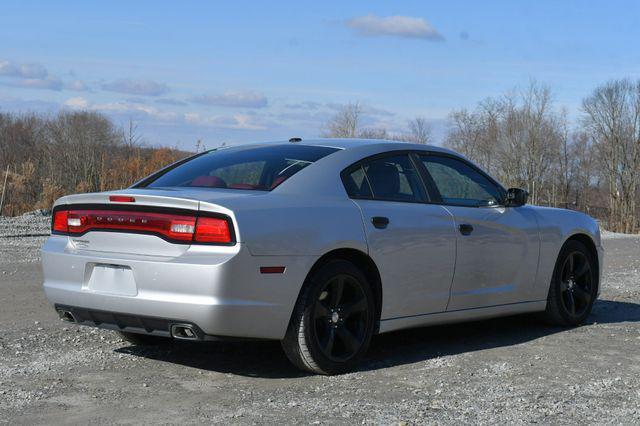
[
  {"x": 395, "y": 26},
  {"x": 77, "y": 85},
  {"x": 78, "y": 102},
  {"x": 36, "y": 76},
  {"x": 29, "y": 76},
  {"x": 170, "y": 101},
  {"x": 135, "y": 109},
  {"x": 305, "y": 105},
  {"x": 47, "y": 83},
  {"x": 30, "y": 71},
  {"x": 243, "y": 99},
  {"x": 142, "y": 112},
  {"x": 136, "y": 87},
  {"x": 235, "y": 122}
]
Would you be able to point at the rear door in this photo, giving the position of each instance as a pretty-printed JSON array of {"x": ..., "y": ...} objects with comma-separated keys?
[
  {"x": 498, "y": 247},
  {"x": 411, "y": 242}
]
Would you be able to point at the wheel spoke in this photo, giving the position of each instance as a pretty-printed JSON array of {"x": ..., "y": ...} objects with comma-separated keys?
[
  {"x": 336, "y": 292},
  {"x": 354, "y": 307},
  {"x": 582, "y": 269},
  {"x": 571, "y": 263},
  {"x": 582, "y": 294},
  {"x": 350, "y": 341},
  {"x": 328, "y": 341},
  {"x": 321, "y": 310},
  {"x": 566, "y": 270},
  {"x": 570, "y": 303}
]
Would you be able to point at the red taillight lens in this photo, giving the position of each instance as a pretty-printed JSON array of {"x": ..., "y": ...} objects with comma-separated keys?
[
  {"x": 182, "y": 228},
  {"x": 60, "y": 221},
  {"x": 173, "y": 227},
  {"x": 212, "y": 230}
]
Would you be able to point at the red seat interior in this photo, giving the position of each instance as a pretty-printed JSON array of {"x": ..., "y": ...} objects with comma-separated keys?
[
  {"x": 277, "y": 181},
  {"x": 243, "y": 186},
  {"x": 209, "y": 181}
]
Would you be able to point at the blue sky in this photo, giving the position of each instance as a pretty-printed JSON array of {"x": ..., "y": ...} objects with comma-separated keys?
[{"x": 244, "y": 71}]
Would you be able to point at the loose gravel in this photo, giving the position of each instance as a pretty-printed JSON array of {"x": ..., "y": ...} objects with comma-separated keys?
[
  {"x": 21, "y": 237},
  {"x": 505, "y": 371}
]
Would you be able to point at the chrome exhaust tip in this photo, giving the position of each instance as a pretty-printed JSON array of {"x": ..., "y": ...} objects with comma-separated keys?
[
  {"x": 184, "y": 332},
  {"x": 66, "y": 316}
]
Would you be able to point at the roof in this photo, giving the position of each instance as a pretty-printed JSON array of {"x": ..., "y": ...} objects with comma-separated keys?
[{"x": 346, "y": 143}]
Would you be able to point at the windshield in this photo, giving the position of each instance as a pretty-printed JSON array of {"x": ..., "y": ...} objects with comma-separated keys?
[{"x": 259, "y": 168}]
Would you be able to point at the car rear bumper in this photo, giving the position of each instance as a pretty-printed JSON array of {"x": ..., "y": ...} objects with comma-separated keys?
[
  {"x": 130, "y": 323},
  {"x": 219, "y": 290}
]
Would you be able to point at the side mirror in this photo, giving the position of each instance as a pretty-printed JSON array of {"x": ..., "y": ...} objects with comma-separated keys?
[{"x": 516, "y": 197}]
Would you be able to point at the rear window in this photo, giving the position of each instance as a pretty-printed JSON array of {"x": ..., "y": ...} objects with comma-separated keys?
[{"x": 260, "y": 168}]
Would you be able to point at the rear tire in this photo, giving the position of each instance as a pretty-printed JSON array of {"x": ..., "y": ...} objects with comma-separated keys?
[
  {"x": 333, "y": 320},
  {"x": 574, "y": 286},
  {"x": 144, "y": 339}
]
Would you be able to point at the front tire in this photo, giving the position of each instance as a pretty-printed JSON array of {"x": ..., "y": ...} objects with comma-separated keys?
[
  {"x": 573, "y": 286},
  {"x": 333, "y": 320}
]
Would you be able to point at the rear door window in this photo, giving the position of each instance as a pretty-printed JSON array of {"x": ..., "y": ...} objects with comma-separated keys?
[{"x": 391, "y": 178}]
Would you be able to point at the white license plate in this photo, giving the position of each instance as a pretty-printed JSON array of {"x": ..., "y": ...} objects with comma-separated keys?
[{"x": 112, "y": 279}]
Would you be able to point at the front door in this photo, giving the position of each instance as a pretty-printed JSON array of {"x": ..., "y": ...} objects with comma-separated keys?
[{"x": 497, "y": 246}]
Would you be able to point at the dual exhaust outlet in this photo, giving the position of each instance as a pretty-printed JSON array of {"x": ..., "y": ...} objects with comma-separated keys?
[{"x": 178, "y": 331}]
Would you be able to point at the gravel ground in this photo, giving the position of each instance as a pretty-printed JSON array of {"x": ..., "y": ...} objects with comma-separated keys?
[
  {"x": 511, "y": 370},
  {"x": 15, "y": 248}
]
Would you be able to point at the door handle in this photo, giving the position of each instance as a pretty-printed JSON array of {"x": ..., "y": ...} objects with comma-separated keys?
[
  {"x": 465, "y": 229},
  {"x": 380, "y": 222}
]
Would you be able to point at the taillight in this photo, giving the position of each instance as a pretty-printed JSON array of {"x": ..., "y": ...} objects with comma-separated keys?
[
  {"x": 60, "y": 221},
  {"x": 212, "y": 230},
  {"x": 180, "y": 228}
]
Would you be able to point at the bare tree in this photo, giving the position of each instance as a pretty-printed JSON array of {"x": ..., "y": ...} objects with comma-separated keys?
[
  {"x": 345, "y": 123},
  {"x": 419, "y": 131},
  {"x": 132, "y": 139},
  {"x": 374, "y": 134},
  {"x": 50, "y": 156},
  {"x": 612, "y": 118},
  {"x": 515, "y": 137},
  {"x": 583, "y": 173}
]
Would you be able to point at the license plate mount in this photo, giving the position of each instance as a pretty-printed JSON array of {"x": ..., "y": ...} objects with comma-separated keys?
[{"x": 112, "y": 279}]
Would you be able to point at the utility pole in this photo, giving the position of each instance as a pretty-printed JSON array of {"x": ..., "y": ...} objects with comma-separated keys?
[{"x": 4, "y": 188}]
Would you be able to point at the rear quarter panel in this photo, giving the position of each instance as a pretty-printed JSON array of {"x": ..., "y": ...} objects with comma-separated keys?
[{"x": 295, "y": 226}]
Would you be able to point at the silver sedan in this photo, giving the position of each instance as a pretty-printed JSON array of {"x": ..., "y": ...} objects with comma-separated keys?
[{"x": 320, "y": 244}]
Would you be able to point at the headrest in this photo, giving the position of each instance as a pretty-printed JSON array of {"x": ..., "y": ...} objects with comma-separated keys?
[{"x": 384, "y": 179}]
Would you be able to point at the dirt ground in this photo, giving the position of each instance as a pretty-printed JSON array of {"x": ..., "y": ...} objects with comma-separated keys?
[{"x": 511, "y": 370}]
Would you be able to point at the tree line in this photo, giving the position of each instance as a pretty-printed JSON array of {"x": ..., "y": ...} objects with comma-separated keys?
[
  {"x": 45, "y": 157},
  {"x": 523, "y": 139}
]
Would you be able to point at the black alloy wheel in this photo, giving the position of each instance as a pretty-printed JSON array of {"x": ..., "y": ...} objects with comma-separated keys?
[
  {"x": 340, "y": 318},
  {"x": 574, "y": 286},
  {"x": 333, "y": 321}
]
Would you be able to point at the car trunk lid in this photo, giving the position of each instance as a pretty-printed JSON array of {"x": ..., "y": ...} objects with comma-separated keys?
[{"x": 127, "y": 218}]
